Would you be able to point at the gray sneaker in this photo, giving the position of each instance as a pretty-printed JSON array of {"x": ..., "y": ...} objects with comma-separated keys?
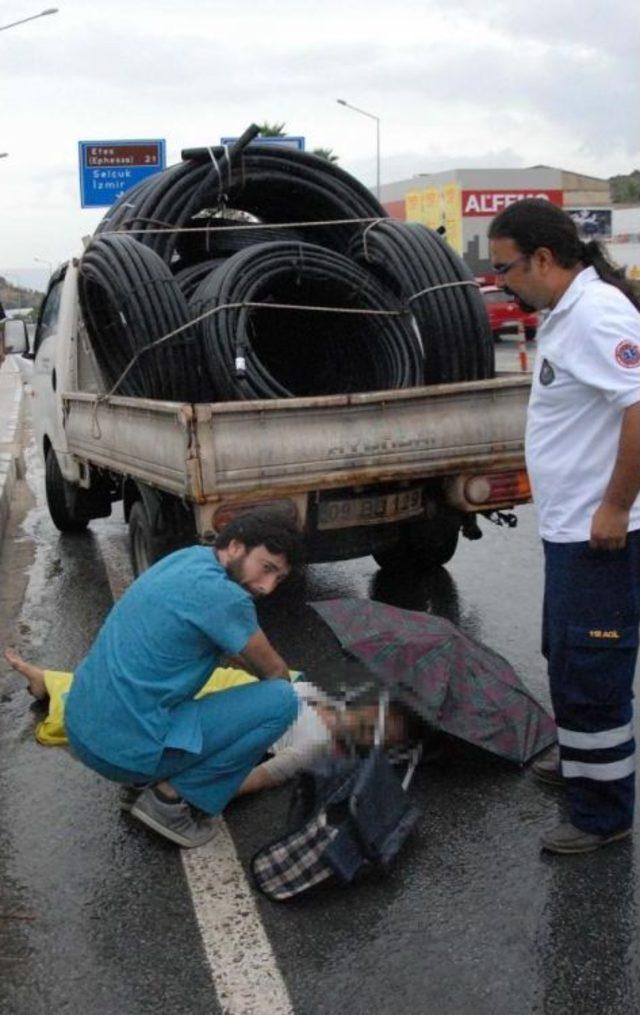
[
  {"x": 174, "y": 821},
  {"x": 566, "y": 838}
]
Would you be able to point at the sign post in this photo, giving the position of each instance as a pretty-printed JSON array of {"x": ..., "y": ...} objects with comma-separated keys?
[{"x": 109, "y": 168}]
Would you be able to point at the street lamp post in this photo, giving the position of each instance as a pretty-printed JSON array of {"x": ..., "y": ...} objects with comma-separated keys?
[
  {"x": 371, "y": 116},
  {"x": 42, "y": 14}
]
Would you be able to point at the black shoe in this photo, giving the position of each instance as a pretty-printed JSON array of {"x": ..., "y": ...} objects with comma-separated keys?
[{"x": 566, "y": 838}]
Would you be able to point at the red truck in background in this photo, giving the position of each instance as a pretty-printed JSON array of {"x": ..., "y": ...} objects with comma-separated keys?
[{"x": 505, "y": 314}]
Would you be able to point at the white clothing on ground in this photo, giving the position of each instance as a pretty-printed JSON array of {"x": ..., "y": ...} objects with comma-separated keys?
[{"x": 307, "y": 740}]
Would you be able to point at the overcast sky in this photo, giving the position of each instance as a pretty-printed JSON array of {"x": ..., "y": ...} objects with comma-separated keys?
[{"x": 456, "y": 83}]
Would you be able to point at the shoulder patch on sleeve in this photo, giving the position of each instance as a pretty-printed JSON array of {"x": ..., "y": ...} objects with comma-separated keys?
[
  {"x": 628, "y": 353},
  {"x": 547, "y": 373}
]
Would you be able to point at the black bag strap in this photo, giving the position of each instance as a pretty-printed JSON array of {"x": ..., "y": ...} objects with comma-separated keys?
[{"x": 379, "y": 808}]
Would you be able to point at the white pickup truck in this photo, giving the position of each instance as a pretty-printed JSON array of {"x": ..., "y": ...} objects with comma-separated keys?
[{"x": 394, "y": 473}]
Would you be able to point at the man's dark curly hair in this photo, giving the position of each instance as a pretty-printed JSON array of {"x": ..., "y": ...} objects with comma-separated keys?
[{"x": 265, "y": 527}]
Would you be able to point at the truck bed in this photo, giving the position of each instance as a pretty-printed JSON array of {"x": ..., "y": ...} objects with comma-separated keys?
[{"x": 207, "y": 451}]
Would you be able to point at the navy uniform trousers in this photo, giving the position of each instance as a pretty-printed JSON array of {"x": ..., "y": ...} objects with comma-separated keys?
[{"x": 590, "y": 641}]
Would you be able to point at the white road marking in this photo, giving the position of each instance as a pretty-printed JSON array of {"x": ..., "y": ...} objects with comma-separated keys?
[{"x": 243, "y": 967}]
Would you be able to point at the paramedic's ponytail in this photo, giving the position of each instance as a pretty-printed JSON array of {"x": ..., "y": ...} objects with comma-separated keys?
[{"x": 592, "y": 254}]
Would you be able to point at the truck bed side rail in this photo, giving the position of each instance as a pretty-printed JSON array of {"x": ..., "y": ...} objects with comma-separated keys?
[{"x": 206, "y": 451}]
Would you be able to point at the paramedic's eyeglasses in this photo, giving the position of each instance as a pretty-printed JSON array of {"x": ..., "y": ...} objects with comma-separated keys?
[{"x": 502, "y": 269}]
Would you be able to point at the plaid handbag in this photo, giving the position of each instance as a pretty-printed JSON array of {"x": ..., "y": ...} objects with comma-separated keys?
[
  {"x": 296, "y": 862},
  {"x": 351, "y": 815}
]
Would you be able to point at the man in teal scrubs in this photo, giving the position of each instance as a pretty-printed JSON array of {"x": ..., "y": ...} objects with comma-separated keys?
[{"x": 131, "y": 713}]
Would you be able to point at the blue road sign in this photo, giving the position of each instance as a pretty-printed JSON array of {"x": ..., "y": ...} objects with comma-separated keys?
[
  {"x": 108, "y": 168},
  {"x": 289, "y": 141}
]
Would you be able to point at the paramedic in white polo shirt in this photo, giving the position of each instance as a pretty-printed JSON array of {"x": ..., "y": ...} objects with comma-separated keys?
[{"x": 583, "y": 456}]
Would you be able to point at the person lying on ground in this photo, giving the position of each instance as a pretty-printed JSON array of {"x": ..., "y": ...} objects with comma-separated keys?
[{"x": 318, "y": 731}]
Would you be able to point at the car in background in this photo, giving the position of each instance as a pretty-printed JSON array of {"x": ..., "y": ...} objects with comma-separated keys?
[{"x": 505, "y": 314}]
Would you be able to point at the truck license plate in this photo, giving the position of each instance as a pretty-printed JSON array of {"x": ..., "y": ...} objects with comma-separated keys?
[{"x": 388, "y": 507}]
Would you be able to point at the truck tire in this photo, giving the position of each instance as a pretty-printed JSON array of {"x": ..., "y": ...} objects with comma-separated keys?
[
  {"x": 158, "y": 525},
  {"x": 60, "y": 497},
  {"x": 423, "y": 544},
  {"x": 141, "y": 541}
]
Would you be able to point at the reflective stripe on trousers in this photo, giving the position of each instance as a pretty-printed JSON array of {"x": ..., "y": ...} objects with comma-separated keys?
[{"x": 586, "y": 743}]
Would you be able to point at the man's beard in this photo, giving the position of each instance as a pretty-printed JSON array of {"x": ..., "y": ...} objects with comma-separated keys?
[
  {"x": 235, "y": 571},
  {"x": 525, "y": 307}
]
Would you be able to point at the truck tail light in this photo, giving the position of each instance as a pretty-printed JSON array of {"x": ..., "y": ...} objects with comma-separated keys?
[{"x": 498, "y": 488}]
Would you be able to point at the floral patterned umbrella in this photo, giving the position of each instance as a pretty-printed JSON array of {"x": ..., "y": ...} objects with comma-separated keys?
[{"x": 452, "y": 681}]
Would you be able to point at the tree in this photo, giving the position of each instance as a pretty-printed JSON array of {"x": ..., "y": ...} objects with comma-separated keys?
[
  {"x": 272, "y": 129},
  {"x": 325, "y": 153},
  {"x": 625, "y": 189},
  {"x": 279, "y": 130}
]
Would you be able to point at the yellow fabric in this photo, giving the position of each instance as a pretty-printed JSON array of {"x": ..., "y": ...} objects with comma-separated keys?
[
  {"x": 50, "y": 731},
  {"x": 223, "y": 678}
]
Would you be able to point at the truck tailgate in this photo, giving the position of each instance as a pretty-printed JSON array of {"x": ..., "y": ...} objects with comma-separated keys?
[{"x": 203, "y": 452}]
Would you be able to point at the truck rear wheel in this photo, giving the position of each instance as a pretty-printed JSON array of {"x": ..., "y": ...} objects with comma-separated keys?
[
  {"x": 423, "y": 544},
  {"x": 60, "y": 497},
  {"x": 158, "y": 525},
  {"x": 141, "y": 542}
]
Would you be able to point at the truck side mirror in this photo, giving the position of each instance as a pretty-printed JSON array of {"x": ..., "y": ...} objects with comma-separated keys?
[{"x": 16, "y": 337}]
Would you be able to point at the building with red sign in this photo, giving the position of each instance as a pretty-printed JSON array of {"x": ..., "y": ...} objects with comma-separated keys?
[{"x": 462, "y": 202}]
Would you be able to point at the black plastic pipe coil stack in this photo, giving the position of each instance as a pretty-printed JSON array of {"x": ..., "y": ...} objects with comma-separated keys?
[
  {"x": 272, "y": 185},
  {"x": 261, "y": 353}
]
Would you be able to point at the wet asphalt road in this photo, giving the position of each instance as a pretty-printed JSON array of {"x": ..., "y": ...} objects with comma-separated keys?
[{"x": 95, "y": 915}]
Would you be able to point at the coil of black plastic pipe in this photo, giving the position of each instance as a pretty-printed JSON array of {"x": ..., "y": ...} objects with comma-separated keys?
[
  {"x": 129, "y": 298},
  {"x": 219, "y": 237},
  {"x": 254, "y": 353},
  {"x": 270, "y": 184},
  {"x": 188, "y": 279},
  {"x": 452, "y": 320}
]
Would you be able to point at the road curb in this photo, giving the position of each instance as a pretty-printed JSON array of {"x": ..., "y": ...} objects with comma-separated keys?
[{"x": 11, "y": 457}]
